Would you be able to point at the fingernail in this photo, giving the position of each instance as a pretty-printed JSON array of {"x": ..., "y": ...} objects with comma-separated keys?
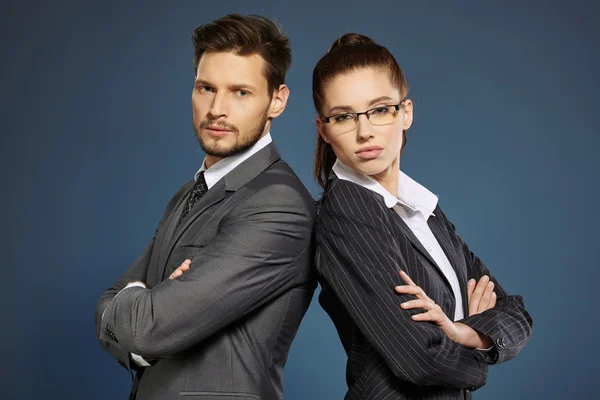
[
  {"x": 494, "y": 294},
  {"x": 403, "y": 304},
  {"x": 471, "y": 282},
  {"x": 491, "y": 284},
  {"x": 398, "y": 287}
]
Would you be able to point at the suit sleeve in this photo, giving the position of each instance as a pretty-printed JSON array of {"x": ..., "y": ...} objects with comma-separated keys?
[
  {"x": 259, "y": 253},
  {"x": 359, "y": 259},
  {"x": 136, "y": 272},
  {"x": 508, "y": 324}
]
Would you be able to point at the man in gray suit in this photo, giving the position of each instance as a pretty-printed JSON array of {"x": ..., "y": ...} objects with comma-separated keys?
[{"x": 210, "y": 308}]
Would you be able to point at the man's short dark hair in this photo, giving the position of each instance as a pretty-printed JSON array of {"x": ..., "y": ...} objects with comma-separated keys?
[{"x": 246, "y": 35}]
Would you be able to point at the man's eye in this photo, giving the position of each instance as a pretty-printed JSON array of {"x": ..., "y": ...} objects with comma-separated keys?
[
  {"x": 206, "y": 89},
  {"x": 242, "y": 93}
]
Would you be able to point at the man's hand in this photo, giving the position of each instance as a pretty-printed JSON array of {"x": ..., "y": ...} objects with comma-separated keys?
[
  {"x": 181, "y": 269},
  {"x": 481, "y": 296}
]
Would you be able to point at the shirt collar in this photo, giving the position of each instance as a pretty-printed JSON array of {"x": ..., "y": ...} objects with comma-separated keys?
[
  {"x": 411, "y": 194},
  {"x": 224, "y": 166}
]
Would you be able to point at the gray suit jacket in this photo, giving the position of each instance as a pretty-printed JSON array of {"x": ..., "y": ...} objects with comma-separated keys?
[{"x": 223, "y": 329}]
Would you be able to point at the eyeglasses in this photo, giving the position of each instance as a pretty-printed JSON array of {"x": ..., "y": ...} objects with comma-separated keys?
[{"x": 346, "y": 122}]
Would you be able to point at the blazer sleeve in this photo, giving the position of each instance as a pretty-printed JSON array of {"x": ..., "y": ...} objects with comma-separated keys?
[
  {"x": 359, "y": 259},
  {"x": 136, "y": 272},
  {"x": 260, "y": 252},
  {"x": 508, "y": 324}
]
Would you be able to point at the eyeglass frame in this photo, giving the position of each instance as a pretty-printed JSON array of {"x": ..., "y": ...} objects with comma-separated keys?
[{"x": 358, "y": 114}]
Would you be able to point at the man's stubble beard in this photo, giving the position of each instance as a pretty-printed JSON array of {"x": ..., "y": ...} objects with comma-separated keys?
[{"x": 216, "y": 150}]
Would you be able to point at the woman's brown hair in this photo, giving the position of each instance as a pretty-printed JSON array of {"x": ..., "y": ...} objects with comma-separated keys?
[{"x": 349, "y": 52}]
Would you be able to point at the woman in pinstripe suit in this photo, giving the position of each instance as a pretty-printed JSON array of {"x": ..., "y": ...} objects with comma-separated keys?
[{"x": 430, "y": 331}]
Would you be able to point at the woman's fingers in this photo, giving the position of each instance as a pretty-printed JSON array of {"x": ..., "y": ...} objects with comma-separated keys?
[
  {"x": 427, "y": 304},
  {"x": 406, "y": 278},
  {"x": 414, "y": 290},
  {"x": 470, "y": 288},
  {"x": 493, "y": 300},
  {"x": 477, "y": 294},
  {"x": 486, "y": 298}
]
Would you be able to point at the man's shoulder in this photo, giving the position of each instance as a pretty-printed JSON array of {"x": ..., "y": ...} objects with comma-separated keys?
[{"x": 280, "y": 179}]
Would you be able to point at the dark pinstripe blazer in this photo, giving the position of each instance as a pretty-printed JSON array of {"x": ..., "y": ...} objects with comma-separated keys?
[{"x": 361, "y": 247}]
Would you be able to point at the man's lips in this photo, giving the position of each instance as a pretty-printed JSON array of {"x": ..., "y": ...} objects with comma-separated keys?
[{"x": 217, "y": 128}]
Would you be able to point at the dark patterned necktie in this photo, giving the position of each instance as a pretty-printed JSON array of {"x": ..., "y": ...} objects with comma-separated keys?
[{"x": 198, "y": 190}]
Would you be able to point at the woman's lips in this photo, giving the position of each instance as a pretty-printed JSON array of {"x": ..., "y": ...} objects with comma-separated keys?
[{"x": 370, "y": 152}]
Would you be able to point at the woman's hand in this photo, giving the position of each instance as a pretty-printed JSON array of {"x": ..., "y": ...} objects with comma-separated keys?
[
  {"x": 456, "y": 331},
  {"x": 481, "y": 296},
  {"x": 433, "y": 311}
]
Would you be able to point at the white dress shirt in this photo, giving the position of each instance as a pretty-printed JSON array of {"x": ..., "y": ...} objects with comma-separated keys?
[
  {"x": 212, "y": 175},
  {"x": 415, "y": 205},
  {"x": 222, "y": 167}
]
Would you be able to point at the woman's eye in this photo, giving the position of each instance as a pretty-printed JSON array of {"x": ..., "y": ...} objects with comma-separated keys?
[
  {"x": 342, "y": 117},
  {"x": 380, "y": 110}
]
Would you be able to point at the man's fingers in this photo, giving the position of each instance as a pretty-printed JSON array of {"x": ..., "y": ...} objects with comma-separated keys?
[
  {"x": 181, "y": 269},
  {"x": 184, "y": 267},
  {"x": 175, "y": 274},
  {"x": 406, "y": 278}
]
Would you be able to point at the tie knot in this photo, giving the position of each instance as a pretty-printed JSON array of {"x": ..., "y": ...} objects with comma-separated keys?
[
  {"x": 198, "y": 190},
  {"x": 200, "y": 187}
]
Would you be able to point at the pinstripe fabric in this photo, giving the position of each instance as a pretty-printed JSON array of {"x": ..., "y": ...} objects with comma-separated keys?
[{"x": 361, "y": 246}]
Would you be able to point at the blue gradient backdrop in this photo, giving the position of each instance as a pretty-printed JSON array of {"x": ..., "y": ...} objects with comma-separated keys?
[{"x": 96, "y": 137}]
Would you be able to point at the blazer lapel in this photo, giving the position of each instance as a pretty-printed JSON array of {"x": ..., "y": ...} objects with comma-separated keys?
[
  {"x": 416, "y": 243},
  {"x": 456, "y": 258}
]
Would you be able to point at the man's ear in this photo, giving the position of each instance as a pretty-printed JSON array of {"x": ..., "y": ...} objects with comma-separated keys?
[{"x": 279, "y": 101}]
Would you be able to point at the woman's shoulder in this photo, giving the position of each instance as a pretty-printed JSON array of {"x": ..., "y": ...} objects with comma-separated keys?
[{"x": 344, "y": 198}]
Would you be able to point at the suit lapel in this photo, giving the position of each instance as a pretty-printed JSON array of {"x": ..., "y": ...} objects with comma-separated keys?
[
  {"x": 211, "y": 197},
  {"x": 457, "y": 260},
  {"x": 237, "y": 178},
  {"x": 164, "y": 234}
]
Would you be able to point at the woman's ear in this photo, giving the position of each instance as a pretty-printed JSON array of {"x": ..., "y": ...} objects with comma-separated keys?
[
  {"x": 407, "y": 110},
  {"x": 321, "y": 129}
]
